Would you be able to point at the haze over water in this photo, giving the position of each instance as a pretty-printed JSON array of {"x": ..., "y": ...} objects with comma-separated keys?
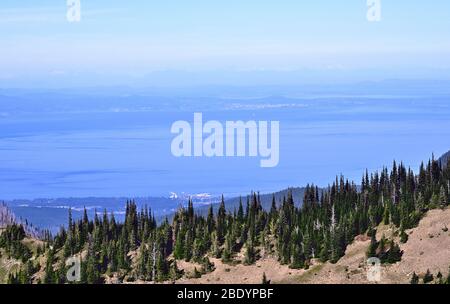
[{"x": 56, "y": 144}]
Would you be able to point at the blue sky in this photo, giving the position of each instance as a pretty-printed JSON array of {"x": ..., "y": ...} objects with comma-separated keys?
[{"x": 121, "y": 40}]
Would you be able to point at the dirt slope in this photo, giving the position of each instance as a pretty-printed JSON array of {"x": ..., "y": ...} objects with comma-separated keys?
[
  {"x": 240, "y": 274},
  {"x": 428, "y": 247}
]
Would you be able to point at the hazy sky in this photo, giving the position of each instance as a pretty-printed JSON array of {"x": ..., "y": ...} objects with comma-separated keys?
[{"x": 121, "y": 41}]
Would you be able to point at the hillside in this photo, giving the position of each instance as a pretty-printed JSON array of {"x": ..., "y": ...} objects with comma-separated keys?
[
  {"x": 320, "y": 236},
  {"x": 427, "y": 248},
  {"x": 265, "y": 199},
  {"x": 7, "y": 217},
  {"x": 443, "y": 160}
]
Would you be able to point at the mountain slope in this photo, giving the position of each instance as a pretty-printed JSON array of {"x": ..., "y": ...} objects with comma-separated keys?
[
  {"x": 7, "y": 217},
  {"x": 443, "y": 160},
  {"x": 427, "y": 248},
  {"x": 266, "y": 200}
]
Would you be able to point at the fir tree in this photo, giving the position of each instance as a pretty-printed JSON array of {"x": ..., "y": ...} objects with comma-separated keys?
[
  {"x": 394, "y": 254},
  {"x": 49, "y": 275},
  {"x": 428, "y": 277},
  {"x": 372, "y": 250},
  {"x": 174, "y": 272},
  {"x": 403, "y": 235},
  {"x": 250, "y": 254},
  {"x": 414, "y": 279},
  {"x": 439, "y": 276}
]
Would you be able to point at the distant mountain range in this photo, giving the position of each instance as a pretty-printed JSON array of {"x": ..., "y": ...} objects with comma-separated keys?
[
  {"x": 232, "y": 204},
  {"x": 53, "y": 213}
]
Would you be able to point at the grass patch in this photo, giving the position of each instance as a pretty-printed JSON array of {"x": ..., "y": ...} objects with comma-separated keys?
[
  {"x": 305, "y": 277},
  {"x": 309, "y": 274}
]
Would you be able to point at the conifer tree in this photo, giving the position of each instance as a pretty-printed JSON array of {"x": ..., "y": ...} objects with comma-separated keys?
[
  {"x": 215, "y": 247},
  {"x": 372, "y": 250},
  {"x": 439, "y": 277},
  {"x": 403, "y": 235},
  {"x": 174, "y": 272},
  {"x": 428, "y": 277},
  {"x": 226, "y": 253},
  {"x": 394, "y": 254},
  {"x": 414, "y": 278},
  {"x": 221, "y": 225},
  {"x": 49, "y": 275},
  {"x": 250, "y": 255},
  {"x": 207, "y": 265}
]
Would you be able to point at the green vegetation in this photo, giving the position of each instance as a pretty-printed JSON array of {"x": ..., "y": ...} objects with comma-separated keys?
[
  {"x": 428, "y": 277},
  {"x": 264, "y": 280},
  {"x": 322, "y": 227},
  {"x": 415, "y": 279},
  {"x": 387, "y": 252},
  {"x": 11, "y": 241}
]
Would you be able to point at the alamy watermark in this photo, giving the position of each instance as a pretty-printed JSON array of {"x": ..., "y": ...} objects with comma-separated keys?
[
  {"x": 73, "y": 10},
  {"x": 373, "y": 270},
  {"x": 235, "y": 139},
  {"x": 374, "y": 10},
  {"x": 74, "y": 271}
]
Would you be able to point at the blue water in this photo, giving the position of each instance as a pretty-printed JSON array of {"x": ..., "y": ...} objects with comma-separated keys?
[{"x": 52, "y": 145}]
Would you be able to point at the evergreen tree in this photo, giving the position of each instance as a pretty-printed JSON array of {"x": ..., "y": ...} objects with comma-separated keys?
[
  {"x": 221, "y": 224},
  {"x": 428, "y": 277},
  {"x": 227, "y": 251},
  {"x": 414, "y": 278},
  {"x": 49, "y": 275},
  {"x": 197, "y": 274},
  {"x": 207, "y": 266},
  {"x": 394, "y": 254},
  {"x": 403, "y": 235},
  {"x": 439, "y": 276},
  {"x": 215, "y": 247},
  {"x": 174, "y": 272},
  {"x": 92, "y": 271},
  {"x": 264, "y": 279},
  {"x": 372, "y": 250},
  {"x": 250, "y": 255}
]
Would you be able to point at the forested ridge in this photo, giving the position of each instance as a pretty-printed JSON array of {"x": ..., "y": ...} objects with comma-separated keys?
[{"x": 321, "y": 228}]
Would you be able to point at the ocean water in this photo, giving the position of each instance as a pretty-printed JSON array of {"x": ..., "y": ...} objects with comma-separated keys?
[{"x": 75, "y": 145}]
